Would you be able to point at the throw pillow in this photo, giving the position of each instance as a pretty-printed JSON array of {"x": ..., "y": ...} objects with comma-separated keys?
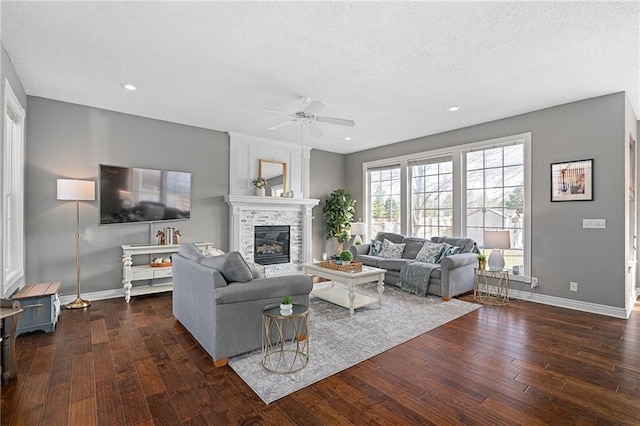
[
  {"x": 190, "y": 251},
  {"x": 232, "y": 266},
  {"x": 391, "y": 250},
  {"x": 413, "y": 247},
  {"x": 376, "y": 247},
  {"x": 448, "y": 250},
  {"x": 212, "y": 251},
  {"x": 430, "y": 252}
]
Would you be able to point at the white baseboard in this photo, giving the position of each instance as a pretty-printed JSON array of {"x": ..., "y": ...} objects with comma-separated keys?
[
  {"x": 560, "y": 302},
  {"x": 576, "y": 305},
  {"x": 96, "y": 295}
]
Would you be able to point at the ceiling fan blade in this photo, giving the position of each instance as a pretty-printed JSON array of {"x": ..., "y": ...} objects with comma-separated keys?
[
  {"x": 281, "y": 125},
  {"x": 314, "y": 107},
  {"x": 340, "y": 121},
  {"x": 314, "y": 129},
  {"x": 273, "y": 111}
]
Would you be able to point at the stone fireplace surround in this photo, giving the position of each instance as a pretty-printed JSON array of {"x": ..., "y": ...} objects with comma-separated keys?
[{"x": 248, "y": 211}]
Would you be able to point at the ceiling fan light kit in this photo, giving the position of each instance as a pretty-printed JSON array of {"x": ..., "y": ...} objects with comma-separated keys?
[{"x": 308, "y": 116}]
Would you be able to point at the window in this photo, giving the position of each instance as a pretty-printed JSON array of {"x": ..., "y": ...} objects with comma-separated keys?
[
  {"x": 384, "y": 199},
  {"x": 458, "y": 191},
  {"x": 495, "y": 196},
  {"x": 431, "y": 197},
  {"x": 13, "y": 191}
]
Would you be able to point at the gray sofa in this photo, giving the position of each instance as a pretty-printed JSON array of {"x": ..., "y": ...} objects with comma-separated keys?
[
  {"x": 453, "y": 276},
  {"x": 225, "y": 316}
]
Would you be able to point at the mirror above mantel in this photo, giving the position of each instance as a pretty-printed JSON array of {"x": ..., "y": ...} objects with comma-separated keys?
[{"x": 275, "y": 172}]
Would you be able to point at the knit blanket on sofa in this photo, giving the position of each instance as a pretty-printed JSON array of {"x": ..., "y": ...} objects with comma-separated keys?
[{"x": 415, "y": 276}]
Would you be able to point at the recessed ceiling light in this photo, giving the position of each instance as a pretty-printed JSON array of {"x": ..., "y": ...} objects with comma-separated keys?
[
  {"x": 347, "y": 139},
  {"x": 454, "y": 108},
  {"x": 128, "y": 86}
]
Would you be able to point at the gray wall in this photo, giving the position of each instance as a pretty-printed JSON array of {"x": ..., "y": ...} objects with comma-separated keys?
[
  {"x": 69, "y": 141},
  {"x": 561, "y": 250},
  {"x": 327, "y": 173}
]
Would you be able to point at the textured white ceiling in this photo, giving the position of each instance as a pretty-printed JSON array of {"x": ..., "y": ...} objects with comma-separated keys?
[{"x": 393, "y": 67}]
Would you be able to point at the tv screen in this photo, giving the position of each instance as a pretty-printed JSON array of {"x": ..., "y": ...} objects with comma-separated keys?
[{"x": 129, "y": 195}]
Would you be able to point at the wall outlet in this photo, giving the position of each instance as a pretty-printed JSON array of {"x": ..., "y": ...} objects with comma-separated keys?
[
  {"x": 534, "y": 282},
  {"x": 594, "y": 223},
  {"x": 573, "y": 286}
]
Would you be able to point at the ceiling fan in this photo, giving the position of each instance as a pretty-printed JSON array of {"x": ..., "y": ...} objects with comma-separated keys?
[{"x": 307, "y": 115}]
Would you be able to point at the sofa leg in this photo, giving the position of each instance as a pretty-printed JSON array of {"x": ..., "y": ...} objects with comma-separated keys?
[
  {"x": 446, "y": 299},
  {"x": 220, "y": 362}
]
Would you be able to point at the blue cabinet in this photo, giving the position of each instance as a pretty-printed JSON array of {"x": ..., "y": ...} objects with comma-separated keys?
[{"x": 41, "y": 307}]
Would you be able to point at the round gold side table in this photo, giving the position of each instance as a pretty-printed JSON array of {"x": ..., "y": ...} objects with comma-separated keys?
[
  {"x": 285, "y": 339},
  {"x": 491, "y": 287}
]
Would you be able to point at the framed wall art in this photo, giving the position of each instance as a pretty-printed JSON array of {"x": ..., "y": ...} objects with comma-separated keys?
[{"x": 572, "y": 181}]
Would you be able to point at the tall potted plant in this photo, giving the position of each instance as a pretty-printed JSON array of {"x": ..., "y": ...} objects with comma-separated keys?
[{"x": 338, "y": 211}]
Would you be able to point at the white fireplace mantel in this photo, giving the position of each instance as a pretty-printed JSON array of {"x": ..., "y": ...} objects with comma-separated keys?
[{"x": 241, "y": 204}]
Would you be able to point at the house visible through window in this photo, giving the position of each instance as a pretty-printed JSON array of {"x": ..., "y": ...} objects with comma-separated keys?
[{"x": 495, "y": 196}]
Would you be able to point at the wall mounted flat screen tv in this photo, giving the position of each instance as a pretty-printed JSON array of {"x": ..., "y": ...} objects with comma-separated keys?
[{"x": 130, "y": 195}]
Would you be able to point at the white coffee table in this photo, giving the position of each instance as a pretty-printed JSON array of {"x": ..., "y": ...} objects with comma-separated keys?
[{"x": 347, "y": 298}]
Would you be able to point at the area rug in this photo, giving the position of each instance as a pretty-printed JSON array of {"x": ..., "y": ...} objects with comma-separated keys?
[{"x": 338, "y": 341}]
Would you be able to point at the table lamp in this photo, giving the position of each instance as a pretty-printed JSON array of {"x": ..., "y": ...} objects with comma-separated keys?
[
  {"x": 358, "y": 229},
  {"x": 496, "y": 240},
  {"x": 77, "y": 190}
]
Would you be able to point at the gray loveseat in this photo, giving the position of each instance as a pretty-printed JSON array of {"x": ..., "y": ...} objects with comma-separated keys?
[
  {"x": 222, "y": 314},
  {"x": 451, "y": 277}
]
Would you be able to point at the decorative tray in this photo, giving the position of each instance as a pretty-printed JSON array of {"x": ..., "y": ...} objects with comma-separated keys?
[
  {"x": 351, "y": 267},
  {"x": 160, "y": 265}
]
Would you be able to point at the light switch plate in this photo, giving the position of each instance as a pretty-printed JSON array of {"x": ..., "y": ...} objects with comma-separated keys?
[{"x": 594, "y": 223}]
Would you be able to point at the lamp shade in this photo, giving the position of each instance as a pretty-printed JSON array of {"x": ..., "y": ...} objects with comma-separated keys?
[
  {"x": 497, "y": 239},
  {"x": 80, "y": 190},
  {"x": 358, "y": 228}
]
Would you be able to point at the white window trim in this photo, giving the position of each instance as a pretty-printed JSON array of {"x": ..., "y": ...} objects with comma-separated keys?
[
  {"x": 459, "y": 190},
  {"x": 11, "y": 280}
]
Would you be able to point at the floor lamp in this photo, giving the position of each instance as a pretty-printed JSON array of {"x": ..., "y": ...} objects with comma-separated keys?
[{"x": 77, "y": 190}]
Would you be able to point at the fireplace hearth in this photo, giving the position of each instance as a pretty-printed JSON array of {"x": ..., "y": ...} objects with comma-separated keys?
[{"x": 271, "y": 244}]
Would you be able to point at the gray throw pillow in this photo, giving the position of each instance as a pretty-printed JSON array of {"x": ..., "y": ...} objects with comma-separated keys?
[
  {"x": 191, "y": 252},
  {"x": 413, "y": 247},
  {"x": 232, "y": 266},
  {"x": 391, "y": 250},
  {"x": 376, "y": 248}
]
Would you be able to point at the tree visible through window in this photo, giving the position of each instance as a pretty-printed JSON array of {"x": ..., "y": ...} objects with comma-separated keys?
[
  {"x": 384, "y": 187},
  {"x": 431, "y": 197}
]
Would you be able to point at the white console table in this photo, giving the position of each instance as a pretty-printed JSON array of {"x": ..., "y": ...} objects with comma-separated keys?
[{"x": 144, "y": 271}]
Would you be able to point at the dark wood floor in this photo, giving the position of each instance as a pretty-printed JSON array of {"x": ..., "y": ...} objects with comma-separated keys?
[{"x": 119, "y": 364}]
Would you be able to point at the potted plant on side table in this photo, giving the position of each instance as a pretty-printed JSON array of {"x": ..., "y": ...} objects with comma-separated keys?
[
  {"x": 482, "y": 261},
  {"x": 286, "y": 305}
]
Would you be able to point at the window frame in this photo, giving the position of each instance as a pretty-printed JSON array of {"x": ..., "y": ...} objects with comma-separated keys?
[
  {"x": 457, "y": 153},
  {"x": 13, "y": 187}
]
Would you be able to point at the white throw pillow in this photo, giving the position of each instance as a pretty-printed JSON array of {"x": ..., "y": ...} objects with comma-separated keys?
[
  {"x": 391, "y": 250},
  {"x": 430, "y": 252}
]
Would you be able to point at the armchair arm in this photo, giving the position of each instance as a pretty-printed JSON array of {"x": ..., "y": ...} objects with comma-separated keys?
[
  {"x": 265, "y": 289},
  {"x": 359, "y": 249},
  {"x": 457, "y": 274}
]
